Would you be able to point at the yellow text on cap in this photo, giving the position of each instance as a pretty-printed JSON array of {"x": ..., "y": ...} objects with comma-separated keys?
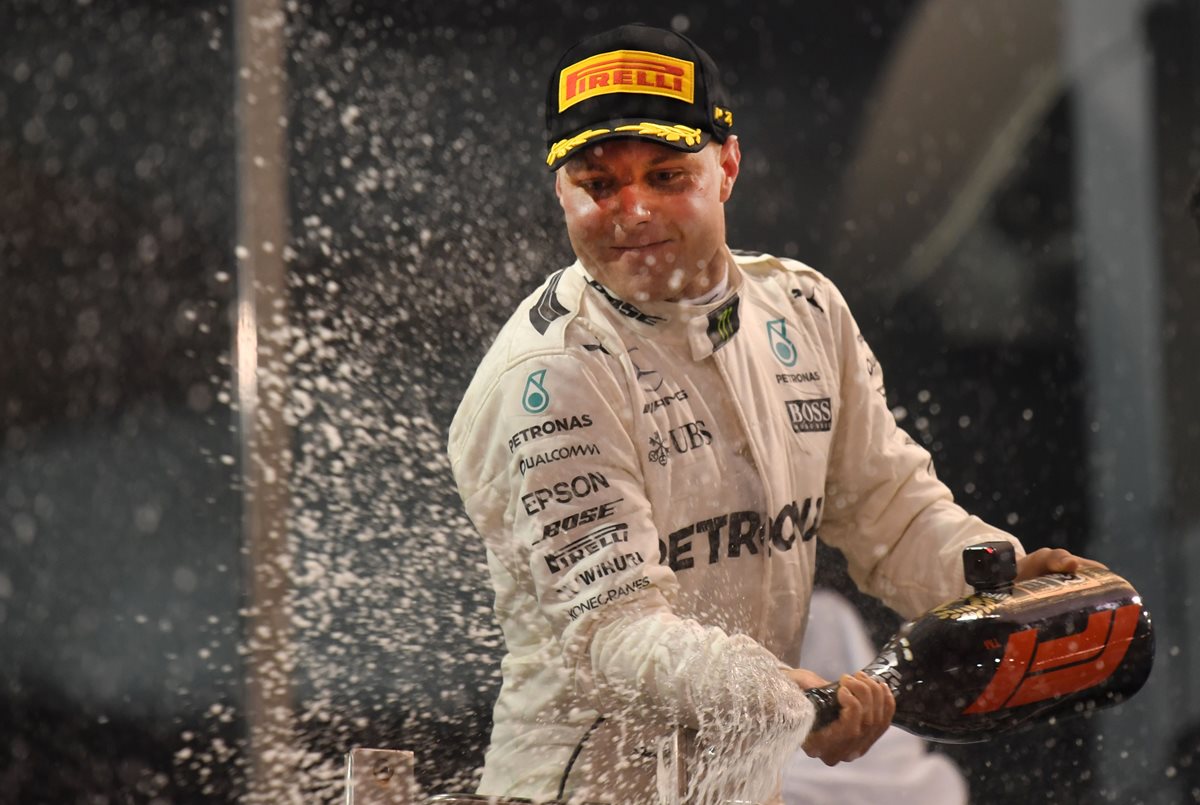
[{"x": 634, "y": 71}]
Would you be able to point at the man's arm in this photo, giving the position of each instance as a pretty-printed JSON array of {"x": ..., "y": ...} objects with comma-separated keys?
[{"x": 897, "y": 524}]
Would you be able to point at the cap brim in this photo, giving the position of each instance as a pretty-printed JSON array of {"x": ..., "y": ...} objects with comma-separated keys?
[{"x": 662, "y": 132}]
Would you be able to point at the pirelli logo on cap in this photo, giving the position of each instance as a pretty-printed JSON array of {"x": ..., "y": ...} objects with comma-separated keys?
[{"x": 637, "y": 71}]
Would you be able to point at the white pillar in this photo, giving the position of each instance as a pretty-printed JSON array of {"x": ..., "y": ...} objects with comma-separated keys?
[{"x": 260, "y": 40}]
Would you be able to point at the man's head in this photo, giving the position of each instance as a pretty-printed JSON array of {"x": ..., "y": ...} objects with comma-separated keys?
[
  {"x": 646, "y": 220},
  {"x": 639, "y": 133}
]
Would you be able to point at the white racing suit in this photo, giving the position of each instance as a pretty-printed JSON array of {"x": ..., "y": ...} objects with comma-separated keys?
[{"x": 648, "y": 481}]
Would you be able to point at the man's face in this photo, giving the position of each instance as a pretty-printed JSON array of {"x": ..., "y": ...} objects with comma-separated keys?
[{"x": 646, "y": 220}]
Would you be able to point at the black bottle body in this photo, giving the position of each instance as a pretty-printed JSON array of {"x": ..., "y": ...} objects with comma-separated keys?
[{"x": 977, "y": 667}]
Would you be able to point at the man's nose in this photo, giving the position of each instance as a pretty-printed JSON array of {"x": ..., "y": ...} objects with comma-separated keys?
[{"x": 632, "y": 204}]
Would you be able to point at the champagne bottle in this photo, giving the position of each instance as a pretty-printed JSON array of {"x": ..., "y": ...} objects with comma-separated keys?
[{"x": 1012, "y": 653}]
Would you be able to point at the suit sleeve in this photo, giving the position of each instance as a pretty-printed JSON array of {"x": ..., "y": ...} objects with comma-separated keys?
[
  {"x": 552, "y": 479},
  {"x": 898, "y": 525}
]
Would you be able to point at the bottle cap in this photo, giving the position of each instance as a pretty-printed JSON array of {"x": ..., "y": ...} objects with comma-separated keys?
[{"x": 990, "y": 566}]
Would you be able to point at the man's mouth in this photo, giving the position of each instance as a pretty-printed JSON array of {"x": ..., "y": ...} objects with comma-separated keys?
[{"x": 638, "y": 247}]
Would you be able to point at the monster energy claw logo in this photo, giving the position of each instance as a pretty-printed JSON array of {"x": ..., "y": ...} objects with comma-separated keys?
[
  {"x": 536, "y": 398},
  {"x": 781, "y": 345},
  {"x": 723, "y": 323}
]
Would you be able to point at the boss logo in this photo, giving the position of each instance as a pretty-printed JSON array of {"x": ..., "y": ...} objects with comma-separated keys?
[{"x": 810, "y": 416}]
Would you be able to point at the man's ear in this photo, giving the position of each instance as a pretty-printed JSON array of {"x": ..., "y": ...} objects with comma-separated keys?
[
  {"x": 558, "y": 186},
  {"x": 730, "y": 159}
]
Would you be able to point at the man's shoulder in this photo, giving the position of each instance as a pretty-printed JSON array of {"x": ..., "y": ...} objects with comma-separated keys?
[
  {"x": 788, "y": 276},
  {"x": 544, "y": 322},
  {"x": 766, "y": 264},
  {"x": 548, "y": 327}
]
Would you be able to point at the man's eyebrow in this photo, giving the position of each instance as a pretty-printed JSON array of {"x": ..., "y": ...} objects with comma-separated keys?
[{"x": 585, "y": 162}]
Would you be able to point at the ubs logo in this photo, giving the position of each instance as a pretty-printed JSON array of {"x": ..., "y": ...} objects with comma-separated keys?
[
  {"x": 686, "y": 438},
  {"x": 658, "y": 450},
  {"x": 691, "y": 436}
]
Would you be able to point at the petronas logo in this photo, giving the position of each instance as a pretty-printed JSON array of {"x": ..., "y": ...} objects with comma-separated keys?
[
  {"x": 723, "y": 323},
  {"x": 536, "y": 399},
  {"x": 781, "y": 345}
]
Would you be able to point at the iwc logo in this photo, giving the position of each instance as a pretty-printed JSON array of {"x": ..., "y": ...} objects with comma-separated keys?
[{"x": 781, "y": 345}]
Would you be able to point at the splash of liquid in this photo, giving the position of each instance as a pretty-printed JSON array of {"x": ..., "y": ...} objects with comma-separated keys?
[{"x": 756, "y": 720}]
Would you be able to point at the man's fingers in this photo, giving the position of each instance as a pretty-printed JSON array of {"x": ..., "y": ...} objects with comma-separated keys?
[
  {"x": 887, "y": 711},
  {"x": 851, "y": 698},
  {"x": 872, "y": 700},
  {"x": 890, "y": 701},
  {"x": 1061, "y": 561},
  {"x": 882, "y": 705},
  {"x": 1052, "y": 560},
  {"x": 867, "y": 710}
]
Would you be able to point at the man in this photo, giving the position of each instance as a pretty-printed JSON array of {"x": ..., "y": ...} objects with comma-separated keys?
[{"x": 651, "y": 446}]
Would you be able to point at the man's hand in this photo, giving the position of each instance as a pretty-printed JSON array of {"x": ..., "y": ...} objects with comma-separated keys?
[
  {"x": 1052, "y": 560},
  {"x": 867, "y": 710}
]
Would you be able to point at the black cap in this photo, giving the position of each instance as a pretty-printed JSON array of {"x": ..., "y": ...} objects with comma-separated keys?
[
  {"x": 635, "y": 81},
  {"x": 990, "y": 566}
]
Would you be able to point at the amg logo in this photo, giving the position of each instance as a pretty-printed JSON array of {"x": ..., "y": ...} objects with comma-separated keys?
[
  {"x": 570, "y": 554},
  {"x": 558, "y": 454},
  {"x": 576, "y": 519},
  {"x": 663, "y": 402},
  {"x": 810, "y": 416}
]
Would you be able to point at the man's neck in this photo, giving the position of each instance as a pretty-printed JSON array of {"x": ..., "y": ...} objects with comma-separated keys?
[
  {"x": 709, "y": 284},
  {"x": 712, "y": 294}
]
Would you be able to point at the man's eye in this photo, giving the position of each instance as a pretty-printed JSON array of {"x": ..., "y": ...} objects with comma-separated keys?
[
  {"x": 594, "y": 186},
  {"x": 667, "y": 175}
]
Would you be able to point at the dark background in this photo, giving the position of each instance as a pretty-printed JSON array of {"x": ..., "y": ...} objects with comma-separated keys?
[{"x": 420, "y": 214}]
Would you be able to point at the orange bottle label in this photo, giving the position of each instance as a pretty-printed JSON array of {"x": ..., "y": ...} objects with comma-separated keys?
[{"x": 1033, "y": 672}]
